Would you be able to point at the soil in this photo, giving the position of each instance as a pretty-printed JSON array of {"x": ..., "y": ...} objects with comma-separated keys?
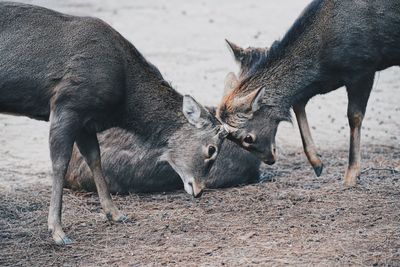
[{"x": 291, "y": 218}]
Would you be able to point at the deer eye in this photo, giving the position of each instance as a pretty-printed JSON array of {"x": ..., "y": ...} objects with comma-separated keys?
[
  {"x": 211, "y": 151},
  {"x": 248, "y": 139}
]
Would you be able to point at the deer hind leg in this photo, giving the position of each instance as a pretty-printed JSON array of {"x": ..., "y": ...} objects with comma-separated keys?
[
  {"x": 308, "y": 143},
  {"x": 358, "y": 95},
  {"x": 89, "y": 147},
  {"x": 63, "y": 128}
]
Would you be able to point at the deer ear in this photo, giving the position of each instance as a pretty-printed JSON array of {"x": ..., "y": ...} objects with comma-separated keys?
[
  {"x": 231, "y": 82},
  {"x": 257, "y": 100},
  {"x": 195, "y": 113},
  {"x": 191, "y": 109},
  {"x": 237, "y": 51}
]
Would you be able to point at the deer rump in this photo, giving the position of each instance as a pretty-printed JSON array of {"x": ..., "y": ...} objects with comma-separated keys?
[{"x": 130, "y": 166}]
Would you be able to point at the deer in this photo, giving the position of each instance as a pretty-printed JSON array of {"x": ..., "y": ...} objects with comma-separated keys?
[
  {"x": 132, "y": 165},
  {"x": 83, "y": 77},
  {"x": 332, "y": 44}
]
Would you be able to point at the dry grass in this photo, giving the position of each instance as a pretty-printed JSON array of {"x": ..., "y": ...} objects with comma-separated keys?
[{"x": 294, "y": 218}]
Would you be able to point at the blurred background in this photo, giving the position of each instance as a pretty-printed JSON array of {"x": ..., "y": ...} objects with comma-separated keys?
[{"x": 185, "y": 40}]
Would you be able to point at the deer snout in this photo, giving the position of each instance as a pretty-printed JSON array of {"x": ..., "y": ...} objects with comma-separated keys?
[
  {"x": 270, "y": 158},
  {"x": 197, "y": 189},
  {"x": 269, "y": 161}
]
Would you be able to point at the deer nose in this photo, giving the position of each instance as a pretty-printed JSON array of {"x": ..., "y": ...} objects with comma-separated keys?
[
  {"x": 270, "y": 159},
  {"x": 197, "y": 190},
  {"x": 198, "y": 195}
]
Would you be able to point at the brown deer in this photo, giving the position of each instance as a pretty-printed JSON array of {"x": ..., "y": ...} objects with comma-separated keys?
[
  {"x": 84, "y": 77},
  {"x": 332, "y": 44},
  {"x": 131, "y": 164}
]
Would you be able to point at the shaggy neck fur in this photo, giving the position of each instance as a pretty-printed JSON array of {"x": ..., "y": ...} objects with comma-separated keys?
[
  {"x": 288, "y": 71},
  {"x": 153, "y": 108}
]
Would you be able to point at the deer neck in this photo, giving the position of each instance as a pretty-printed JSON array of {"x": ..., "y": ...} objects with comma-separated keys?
[
  {"x": 153, "y": 110},
  {"x": 290, "y": 81}
]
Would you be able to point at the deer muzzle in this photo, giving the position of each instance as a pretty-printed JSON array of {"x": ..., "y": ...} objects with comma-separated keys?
[{"x": 194, "y": 188}]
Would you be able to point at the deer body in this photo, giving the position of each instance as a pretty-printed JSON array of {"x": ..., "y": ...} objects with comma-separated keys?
[
  {"x": 84, "y": 77},
  {"x": 131, "y": 165},
  {"x": 332, "y": 44}
]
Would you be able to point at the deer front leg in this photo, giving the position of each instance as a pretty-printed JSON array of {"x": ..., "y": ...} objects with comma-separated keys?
[
  {"x": 358, "y": 94},
  {"x": 308, "y": 143}
]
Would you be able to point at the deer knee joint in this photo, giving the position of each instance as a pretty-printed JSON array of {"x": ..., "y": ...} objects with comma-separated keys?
[{"x": 355, "y": 119}]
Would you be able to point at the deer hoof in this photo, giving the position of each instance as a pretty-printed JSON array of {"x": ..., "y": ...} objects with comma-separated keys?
[
  {"x": 318, "y": 169},
  {"x": 121, "y": 218},
  {"x": 350, "y": 177},
  {"x": 116, "y": 217},
  {"x": 61, "y": 239}
]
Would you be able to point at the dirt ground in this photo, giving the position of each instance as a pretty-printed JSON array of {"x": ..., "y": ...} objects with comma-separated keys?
[{"x": 292, "y": 218}]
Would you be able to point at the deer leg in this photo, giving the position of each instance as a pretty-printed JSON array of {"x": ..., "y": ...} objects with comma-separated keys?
[
  {"x": 63, "y": 129},
  {"x": 308, "y": 144},
  {"x": 89, "y": 147},
  {"x": 358, "y": 94}
]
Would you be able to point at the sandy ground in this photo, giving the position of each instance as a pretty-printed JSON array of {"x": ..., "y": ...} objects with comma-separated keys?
[{"x": 185, "y": 39}]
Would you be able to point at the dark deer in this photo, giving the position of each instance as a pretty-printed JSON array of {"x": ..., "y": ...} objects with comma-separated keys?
[
  {"x": 84, "y": 77},
  {"x": 332, "y": 44},
  {"x": 133, "y": 165}
]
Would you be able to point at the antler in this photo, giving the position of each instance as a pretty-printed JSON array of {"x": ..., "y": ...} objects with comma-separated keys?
[{"x": 225, "y": 129}]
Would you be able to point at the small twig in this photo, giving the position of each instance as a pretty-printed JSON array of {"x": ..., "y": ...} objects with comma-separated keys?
[{"x": 392, "y": 170}]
